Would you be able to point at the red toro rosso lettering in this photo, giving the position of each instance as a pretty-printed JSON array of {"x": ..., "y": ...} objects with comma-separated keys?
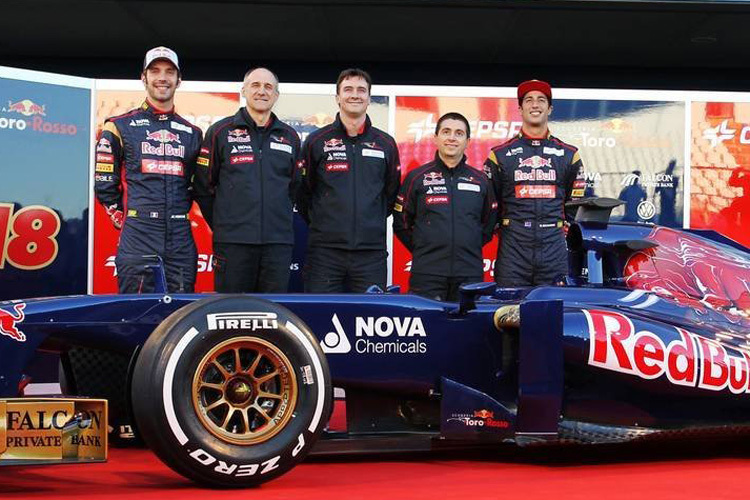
[
  {"x": 8, "y": 322},
  {"x": 691, "y": 360}
]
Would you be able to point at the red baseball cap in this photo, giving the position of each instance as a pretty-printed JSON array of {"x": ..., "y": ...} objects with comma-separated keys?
[{"x": 531, "y": 85}]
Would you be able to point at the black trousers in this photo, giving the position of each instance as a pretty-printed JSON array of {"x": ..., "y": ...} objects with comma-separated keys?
[
  {"x": 332, "y": 270},
  {"x": 439, "y": 287},
  {"x": 241, "y": 268}
]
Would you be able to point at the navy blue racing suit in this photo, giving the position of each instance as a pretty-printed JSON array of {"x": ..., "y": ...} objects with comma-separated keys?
[
  {"x": 144, "y": 163},
  {"x": 533, "y": 179}
]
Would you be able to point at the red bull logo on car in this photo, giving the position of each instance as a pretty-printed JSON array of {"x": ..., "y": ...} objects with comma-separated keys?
[
  {"x": 10, "y": 320},
  {"x": 690, "y": 360}
]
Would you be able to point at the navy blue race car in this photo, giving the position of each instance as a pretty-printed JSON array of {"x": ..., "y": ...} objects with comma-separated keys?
[{"x": 646, "y": 337}]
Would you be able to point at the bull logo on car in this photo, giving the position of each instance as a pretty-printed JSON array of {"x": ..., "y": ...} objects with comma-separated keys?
[{"x": 8, "y": 322}]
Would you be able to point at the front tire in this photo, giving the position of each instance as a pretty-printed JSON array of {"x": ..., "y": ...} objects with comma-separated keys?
[{"x": 231, "y": 391}]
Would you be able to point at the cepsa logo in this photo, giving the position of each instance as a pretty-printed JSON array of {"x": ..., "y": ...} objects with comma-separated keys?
[
  {"x": 723, "y": 132},
  {"x": 690, "y": 360},
  {"x": 479, "y": 128},
  {"x": 26, "y": 114}
]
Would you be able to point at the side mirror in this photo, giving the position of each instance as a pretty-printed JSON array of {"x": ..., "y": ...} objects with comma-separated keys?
[{"x": 469, "y": 293}]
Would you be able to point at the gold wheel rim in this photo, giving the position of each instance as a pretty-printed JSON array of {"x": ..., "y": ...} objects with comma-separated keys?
[{"x": 244, "y": 390}]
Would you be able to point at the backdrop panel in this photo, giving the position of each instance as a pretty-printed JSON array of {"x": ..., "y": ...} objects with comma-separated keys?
[
  {"x": 44, "y": 194},
  {"x": 720, "y": 176}
]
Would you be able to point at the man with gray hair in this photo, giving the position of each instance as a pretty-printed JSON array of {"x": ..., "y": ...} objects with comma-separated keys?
[{"x": 245, "y": 184}]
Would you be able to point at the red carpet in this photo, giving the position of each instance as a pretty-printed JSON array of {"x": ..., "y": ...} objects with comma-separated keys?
[{"x": 137, "y": 474}]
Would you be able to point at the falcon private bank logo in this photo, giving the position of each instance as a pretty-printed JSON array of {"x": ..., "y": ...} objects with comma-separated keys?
[{"x": 25, "y": 115}]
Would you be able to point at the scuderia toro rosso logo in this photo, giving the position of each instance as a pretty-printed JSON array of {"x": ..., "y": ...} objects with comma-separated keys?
[
  {"x": 689, "y": 360},
  {"x": 377, "y": 335}
]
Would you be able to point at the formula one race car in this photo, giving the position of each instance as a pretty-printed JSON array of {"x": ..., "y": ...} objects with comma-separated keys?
[{"x": 646, "y": 338}]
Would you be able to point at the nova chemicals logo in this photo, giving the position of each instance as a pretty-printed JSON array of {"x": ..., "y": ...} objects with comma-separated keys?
[
  {"x": 336, "y": 342},
  {"x": 378, "y": 335}
]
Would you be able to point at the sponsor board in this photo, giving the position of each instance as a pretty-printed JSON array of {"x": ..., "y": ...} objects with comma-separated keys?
[{"x": 48, "y": 430}]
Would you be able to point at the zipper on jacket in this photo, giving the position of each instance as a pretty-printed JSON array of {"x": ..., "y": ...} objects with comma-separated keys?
[
  {"x": 262, "y": 187},
  {"x": 451, "y": 202},
  {"x": 354, "y": 194}
]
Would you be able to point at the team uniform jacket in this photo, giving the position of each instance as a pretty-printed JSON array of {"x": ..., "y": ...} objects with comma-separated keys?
[
  {"x": 247, "y": 179},
  {"x": 444, "y": 216},
  {"x": 349, "y": 186},
  {"x": 533, "y": 179}
]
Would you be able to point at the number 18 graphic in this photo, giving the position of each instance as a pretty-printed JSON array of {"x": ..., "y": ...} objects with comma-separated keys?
[{"x": 27, "y": 237}]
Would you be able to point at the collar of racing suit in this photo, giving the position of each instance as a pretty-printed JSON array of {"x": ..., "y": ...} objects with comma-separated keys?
[
  {"x": 150, "y": 108},
  {"x": 523, "y": 135},
  {"x": 365, "y": 128}
]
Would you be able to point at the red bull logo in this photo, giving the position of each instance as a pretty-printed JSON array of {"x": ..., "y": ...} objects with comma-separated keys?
[
  {"x": 484, "y": 414},
  {"x": 535, "y": 161},
  {"x": 162, "y": 136},
  {"x": 318, "y": 120},
  {"x": 617, "y": 125},
  {"x": 27, "y": 107},
  {"x": 332, "y": 143},
  {"x": 433, "y": 179},
  {"x": 9, "y": 320},
  {"x": 689, "y": 360}
]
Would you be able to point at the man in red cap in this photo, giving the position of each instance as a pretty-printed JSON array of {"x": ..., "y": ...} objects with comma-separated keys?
[{"x": 533, "y": 175}]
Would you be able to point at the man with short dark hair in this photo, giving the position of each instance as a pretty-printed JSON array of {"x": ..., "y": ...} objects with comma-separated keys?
[
  {"x": 351, "y": 178},
  {"x": 245, "y": 183},
  {"x": 534, "y": 174},
  {"x": 444, "y": 214},
  {"x": 149, "y": 153}
]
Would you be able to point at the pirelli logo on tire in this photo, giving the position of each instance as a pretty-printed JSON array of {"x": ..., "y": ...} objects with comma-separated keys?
[
  {"x": 242, "y": 321},
  {"x": 53, "y": 430}
]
